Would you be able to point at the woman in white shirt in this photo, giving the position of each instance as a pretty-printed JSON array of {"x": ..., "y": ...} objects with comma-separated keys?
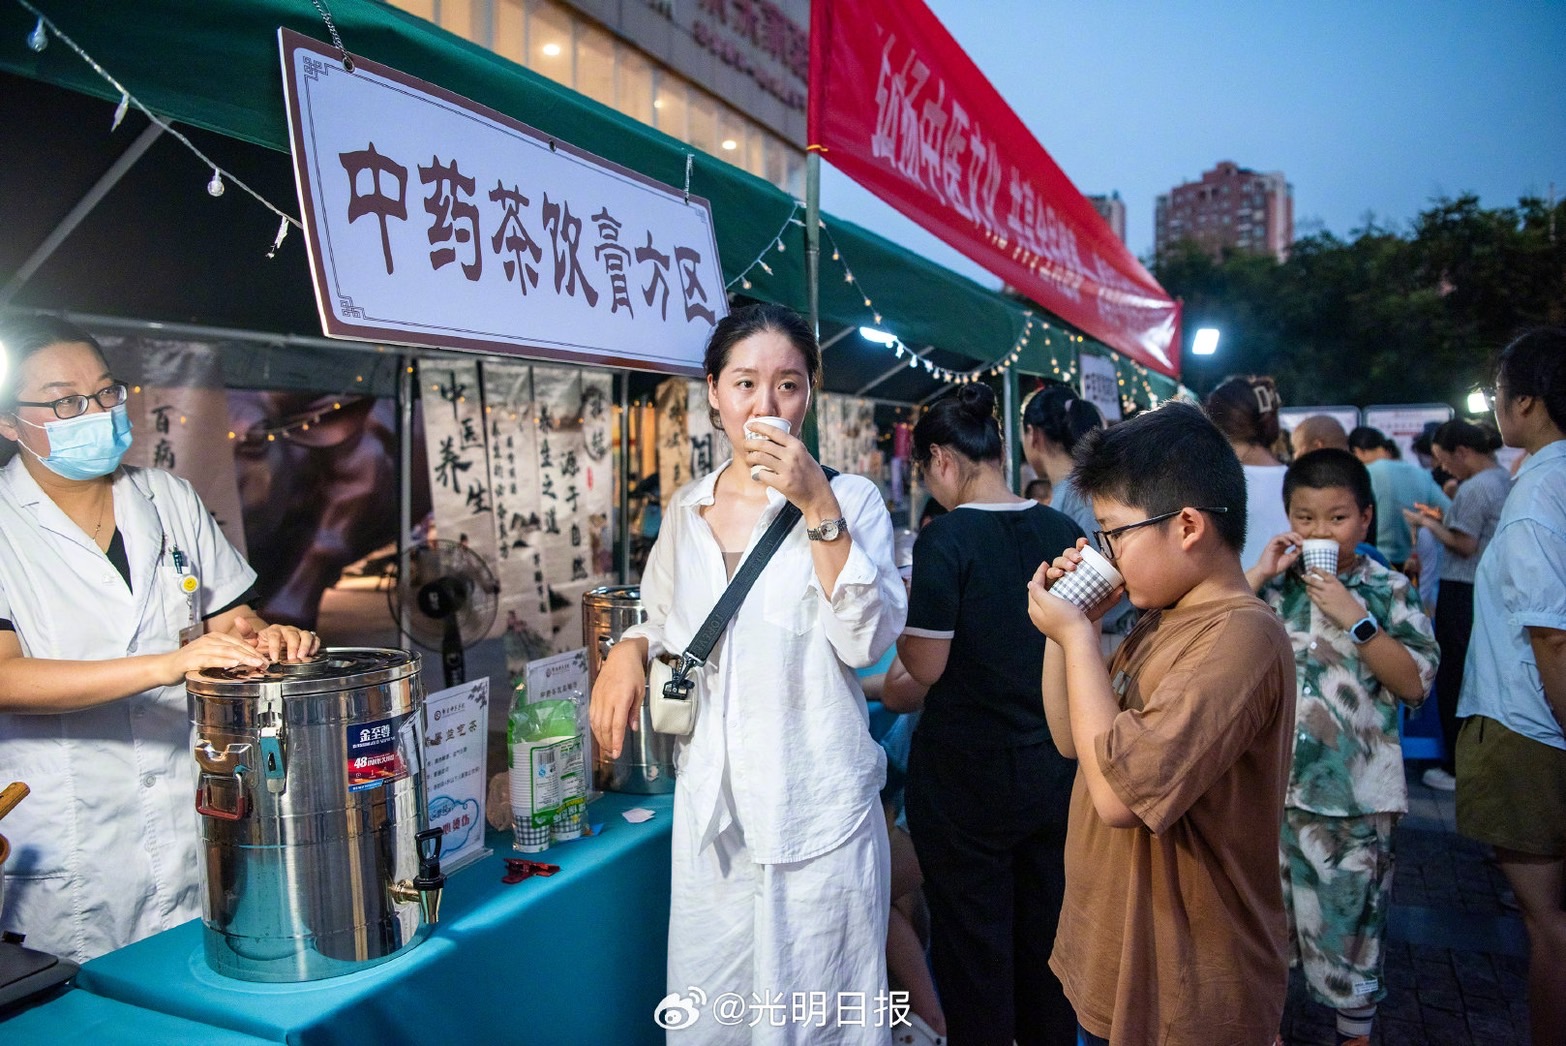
[
  {"x": 780, "y": 864},
  {"x": 1245, "y": 409},
  {"x": 114, "y": 583}
]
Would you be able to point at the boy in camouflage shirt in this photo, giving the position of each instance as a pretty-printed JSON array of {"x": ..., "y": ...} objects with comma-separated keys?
[{"x": 1361, "y": 643}]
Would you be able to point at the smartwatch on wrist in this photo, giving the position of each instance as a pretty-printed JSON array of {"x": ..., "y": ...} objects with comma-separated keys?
[{"x": 1364, "y": 630}]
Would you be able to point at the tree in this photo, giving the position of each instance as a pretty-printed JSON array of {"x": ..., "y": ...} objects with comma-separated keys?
[{"x": 1385, "y": 316}]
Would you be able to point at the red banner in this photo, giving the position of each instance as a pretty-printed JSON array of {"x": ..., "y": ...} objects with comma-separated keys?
[{"x": 897, "y": 105}]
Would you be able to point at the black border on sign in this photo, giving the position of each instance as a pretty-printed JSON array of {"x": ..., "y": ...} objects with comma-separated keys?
[{"x": 291, "y": 42}]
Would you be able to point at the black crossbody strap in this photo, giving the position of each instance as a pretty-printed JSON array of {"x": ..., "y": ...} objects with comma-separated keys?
[{"x": 707, "y": 637}]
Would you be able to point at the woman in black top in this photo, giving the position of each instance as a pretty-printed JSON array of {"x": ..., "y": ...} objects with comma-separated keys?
[{"x": 987, "y": 790}]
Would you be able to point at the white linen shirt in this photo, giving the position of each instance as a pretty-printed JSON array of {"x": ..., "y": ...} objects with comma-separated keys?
[
  {"x": 105, "y": 847},
  {"x": 1520, "y": 584},
  {"x": 782, "y": 715}
]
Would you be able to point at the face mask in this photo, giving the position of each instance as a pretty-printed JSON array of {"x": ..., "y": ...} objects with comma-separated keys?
[{"x": 87, "y": 446}]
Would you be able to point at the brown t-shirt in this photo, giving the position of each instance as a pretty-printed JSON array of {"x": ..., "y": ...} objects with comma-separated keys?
[{"x": 1174, "y": 932}]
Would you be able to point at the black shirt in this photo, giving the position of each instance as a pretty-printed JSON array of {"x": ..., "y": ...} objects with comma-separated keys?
[{"x": 971, "y": 570}]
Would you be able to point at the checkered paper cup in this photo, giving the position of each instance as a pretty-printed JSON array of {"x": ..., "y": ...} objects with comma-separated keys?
[
  {"x": 1093, "y": 582},
  {"x": 1320, "y": 554}
]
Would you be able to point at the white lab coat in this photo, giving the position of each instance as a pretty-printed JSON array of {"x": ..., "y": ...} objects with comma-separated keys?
[{"x": 104, "y": 850}]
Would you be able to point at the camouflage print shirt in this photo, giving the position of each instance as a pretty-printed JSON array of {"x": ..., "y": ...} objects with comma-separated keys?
[{"x": 1347, "y": 758}]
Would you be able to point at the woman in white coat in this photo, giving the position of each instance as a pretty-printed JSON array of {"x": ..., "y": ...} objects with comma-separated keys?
[
  {"x": 780, "y": 866},
  {"x": 114, "y": 583}
]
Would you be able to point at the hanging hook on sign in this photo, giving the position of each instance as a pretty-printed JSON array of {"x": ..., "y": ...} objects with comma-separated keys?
[{"x": 337, "y": 41}]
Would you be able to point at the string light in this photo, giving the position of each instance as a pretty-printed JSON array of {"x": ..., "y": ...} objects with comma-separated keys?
[
  {"x": 1032, "y": 324},
  {"x": 38, "y": 39},
  {"x": 775, "y": 243}
]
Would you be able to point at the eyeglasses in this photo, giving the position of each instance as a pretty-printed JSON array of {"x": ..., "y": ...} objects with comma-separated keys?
[
  {"x": 1102, "y": 537},
  {"x": 67, "y": 407},
  {"x": 1486, "y": 395}
]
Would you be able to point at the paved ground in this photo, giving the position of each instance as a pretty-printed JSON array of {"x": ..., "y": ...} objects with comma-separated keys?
[{"x": 1457, "y": 956}]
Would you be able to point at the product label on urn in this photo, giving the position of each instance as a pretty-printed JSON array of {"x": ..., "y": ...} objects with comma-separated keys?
[{"x": 373, "y": 755}]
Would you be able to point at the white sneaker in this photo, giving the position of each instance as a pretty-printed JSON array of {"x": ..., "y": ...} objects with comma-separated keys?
[
  {"x": 1439, "y": 779},
  {"x": 917, "y": 1033}
]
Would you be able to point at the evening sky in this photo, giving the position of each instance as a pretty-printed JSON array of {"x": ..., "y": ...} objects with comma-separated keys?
[{"x": 1369, "y": 108}]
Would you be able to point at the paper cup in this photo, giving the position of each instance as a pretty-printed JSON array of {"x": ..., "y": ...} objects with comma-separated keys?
[
  {"x": 1094, "y": 580},
  {"x": 777, "y": 423},
  {"x": 1320, "y": 554}
]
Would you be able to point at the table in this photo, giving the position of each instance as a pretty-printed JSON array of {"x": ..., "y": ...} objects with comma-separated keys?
[
  {"x": 575, "y": 958},
  {"x": 91, "y": 1020}
]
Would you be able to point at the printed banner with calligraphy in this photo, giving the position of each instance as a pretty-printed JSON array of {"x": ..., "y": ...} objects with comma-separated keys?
[
  {"x": 674, "y": 460},
  {"x": 896, "y": 104},
  {"x": 179, "y": 420},
  {"x": 563, "y": 504},
  {"x": 849, "y": 436},
  {"x": 708, "y": 446},
  {"x": 432, "y": 220},
  {"x": 460, "y": 494},
  {"x": 598, "y": 472},
  {"x": 513, "y": 463}
]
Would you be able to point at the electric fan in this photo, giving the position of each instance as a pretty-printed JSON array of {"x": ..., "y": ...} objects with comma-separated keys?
[{"x": 451, "y": 597}]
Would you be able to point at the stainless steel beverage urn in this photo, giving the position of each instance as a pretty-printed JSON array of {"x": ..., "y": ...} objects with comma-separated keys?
[
  {"x": 310, "y": 788},
  {"x": 646, "y": 762}
]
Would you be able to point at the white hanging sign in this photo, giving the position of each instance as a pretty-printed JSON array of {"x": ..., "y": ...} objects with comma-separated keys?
[
  {"x": 432, "y": 220},
  {"x": 1101, "y": 384}
]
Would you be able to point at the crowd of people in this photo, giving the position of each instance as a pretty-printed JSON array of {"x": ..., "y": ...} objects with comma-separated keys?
[
  {"x": 1074, "y": 848},
  {"x": 1119, "y": 819}
]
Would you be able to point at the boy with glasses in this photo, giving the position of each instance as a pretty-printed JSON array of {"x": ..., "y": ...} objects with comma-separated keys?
[{"x": 1173, "y": 925}]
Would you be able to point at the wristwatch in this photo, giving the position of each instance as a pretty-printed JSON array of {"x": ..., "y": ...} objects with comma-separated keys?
[
  {"x": 828, "y": 530},
  {"x": 1364, "y": 630}
]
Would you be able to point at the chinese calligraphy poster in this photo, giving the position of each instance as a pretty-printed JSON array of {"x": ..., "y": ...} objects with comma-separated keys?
[
  {"x": 179, "y": 420},
  {"x": 674, "y": 461},
  {"x": 458, "y": 462},
  {"x": 848, "y": 436},
  {"x": 513, "y": 459}
]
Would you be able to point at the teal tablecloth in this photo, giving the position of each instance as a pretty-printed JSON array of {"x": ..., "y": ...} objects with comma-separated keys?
[
  {"x": 91, "y": 1020},
  {"x": 575, "y": 958}
]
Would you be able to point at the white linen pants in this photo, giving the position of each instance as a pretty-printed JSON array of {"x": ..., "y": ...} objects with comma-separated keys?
[{"x": 781, "y": 953}]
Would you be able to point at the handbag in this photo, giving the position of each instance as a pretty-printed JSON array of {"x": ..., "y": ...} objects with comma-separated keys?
[{"x": 672, "y": 689}]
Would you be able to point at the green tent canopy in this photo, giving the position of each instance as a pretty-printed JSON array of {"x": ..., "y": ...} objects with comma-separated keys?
[{"x": 158, "y": 247}]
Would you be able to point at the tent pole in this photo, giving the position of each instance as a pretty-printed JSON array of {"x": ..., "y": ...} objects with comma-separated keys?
[
  {"x": 834, "y": 339},
  {"x": 404, "y": 478},
  {"x": 78, "y": 213},
  {"x": 810, "y": 431},
  {"x": 1009, "y": 424},
  {"x": 813, "y": 237},
  {"x": 623, "y": 530}
]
